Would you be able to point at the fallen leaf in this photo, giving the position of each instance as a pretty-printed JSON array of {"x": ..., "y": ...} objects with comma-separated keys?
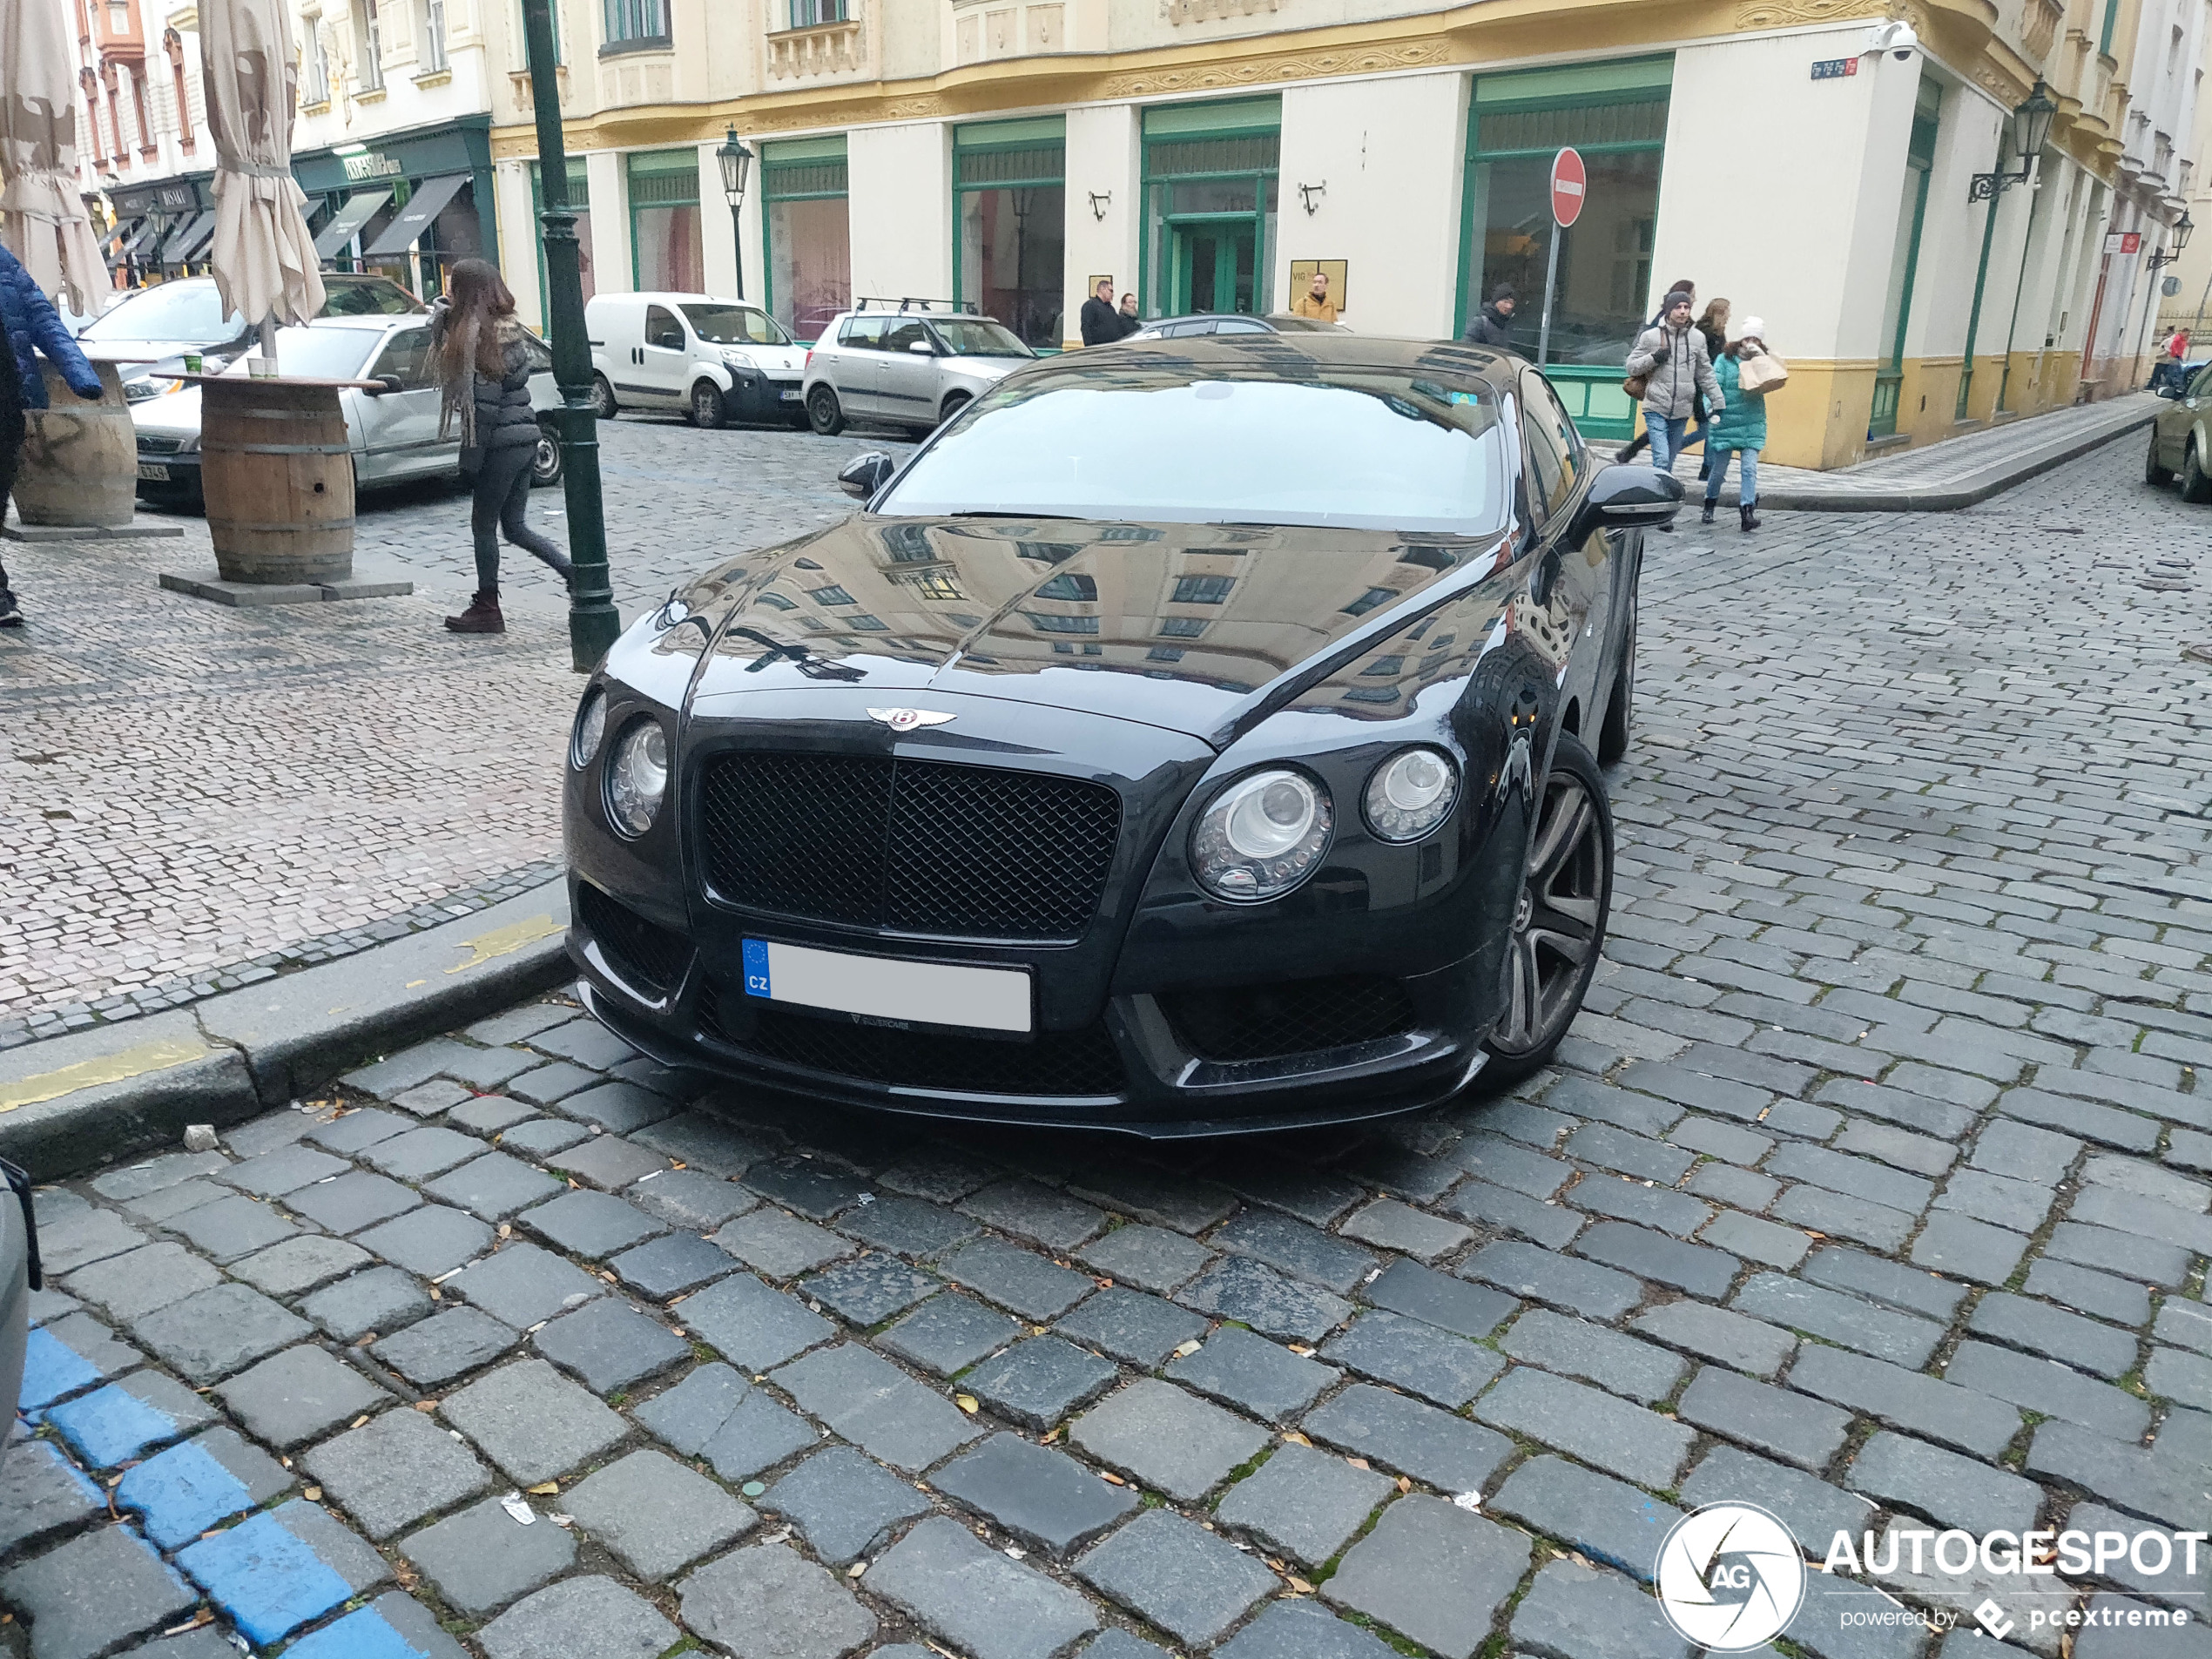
[
  {"x": 1295, "y": 1438},
  {"x": 1050, "y": 1438},
  {"x": 1404, "y": 1485},
  {"x": 437, "y": 1295},
  {"x": 506, "y": 1229},
  {"x": 425, "y": 1405},
  {"x": 966, "y": 1402},
  {"x": 545, "y": 1488},
  {"x": 358, "y": 1421},
  {"x": 856, "y": 1569},
  {"x": 674, "y": 1164},
  {"x": 1300, "y": 1585},
  {"x": 1357, "y": 1462},
  {"x": 1187, "y": 1350}
]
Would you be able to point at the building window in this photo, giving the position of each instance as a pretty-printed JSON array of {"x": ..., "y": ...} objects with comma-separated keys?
[
  {"x": 631, "y": 21},
  {"x": 1182, "y": 627},
  {"x": 1368, "y": 601},
  {"x": 318, "y": 62},
  {"x": 1203, "y": 590},
  {"x": 522, "y": 32},
  {"x": 831, "y": 594},
  {"x": 1164, "y": 654},
  {"x": 806, "y": 14},
  {"x": 665, "y": 253},
  {"x": 580, "y": 204},
  {"x": 369, "y": 74},
  {"x": 1045, "y": 623},
  {"x": 1083, "y": 589},
  {"x": 808, "y": 232},
  {"x": 1010, "y": 209},
  {"x": 1210, "y": 187},
  {"x": 434, "y": 36}
]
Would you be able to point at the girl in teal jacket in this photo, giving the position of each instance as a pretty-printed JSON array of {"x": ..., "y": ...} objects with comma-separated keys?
[{"x": 1739, "y": 429}]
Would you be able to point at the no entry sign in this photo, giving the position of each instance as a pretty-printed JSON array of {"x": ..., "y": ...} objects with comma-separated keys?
[{"x": 1568, "y": 182}]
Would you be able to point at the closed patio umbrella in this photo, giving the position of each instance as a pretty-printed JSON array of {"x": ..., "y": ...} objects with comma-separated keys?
[
  {"x": 42, "y": 216},
  {"x": 264, "y": 261}
]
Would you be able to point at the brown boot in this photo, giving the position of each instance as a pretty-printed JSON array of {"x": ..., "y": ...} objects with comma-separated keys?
[{"x": 481, "y": 616}]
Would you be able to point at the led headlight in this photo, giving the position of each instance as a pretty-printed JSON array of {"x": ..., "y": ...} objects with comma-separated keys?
[
  {"x": 590, "y": 726},
  {"x": 637, "y": 776},
  {"x": 1411, "y": 793},
  {"x": 1261, "y": 836}
]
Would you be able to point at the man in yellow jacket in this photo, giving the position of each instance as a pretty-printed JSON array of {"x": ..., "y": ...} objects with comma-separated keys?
[{"x": 1315, "y": 301}]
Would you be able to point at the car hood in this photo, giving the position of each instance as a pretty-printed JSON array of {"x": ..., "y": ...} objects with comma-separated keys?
[
  {"x": 1197, "y": 629},
  {"x": 128, "y": 351},
  {"x": 989, "y": 368},
  {"x": 178, "y": 412},
  {"x": 784, "y": 362}
]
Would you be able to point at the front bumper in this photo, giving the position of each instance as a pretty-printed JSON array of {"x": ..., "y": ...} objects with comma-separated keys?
[
  {"x": 169, "y": 476},
  {"x": 759, "y": 398}
]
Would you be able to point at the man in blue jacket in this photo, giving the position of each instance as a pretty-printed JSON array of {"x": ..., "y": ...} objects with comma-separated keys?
[{"x": 27, "y": 319}]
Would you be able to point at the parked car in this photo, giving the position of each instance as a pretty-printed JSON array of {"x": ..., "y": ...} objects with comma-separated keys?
[
  {"x": 393, "y": 430},
  {"x": 19, "y": 1253},
  {"x": 156, "y": 326},
  {"x": 1110, "y": 769},
  {"x": 2181, "y": 434},
  {"x": 716, "y": 360},
  {"x": 1230, "y": 322},
  {"x": 902, "y": 366}
]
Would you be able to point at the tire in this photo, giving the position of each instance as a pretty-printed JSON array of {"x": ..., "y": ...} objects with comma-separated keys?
[
  {"x": 707, "y": 412},
  {"x": 1620, "y": 708},
  {"x": 602, "y": 399},
  {"x": 2153, "y": 474},
  {"x": 1559, "y": 925},
  {"x": 824, "y": 413},
  {"x": 954, "y": 402},
  {"x": 2196, "y": 487},
  {"x": 548, "y": 463}
]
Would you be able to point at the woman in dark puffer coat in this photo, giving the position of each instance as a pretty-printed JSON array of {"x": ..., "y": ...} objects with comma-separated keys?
[
  {"x": 27, "y": 318},
  {"x": 479, "y": 357}
]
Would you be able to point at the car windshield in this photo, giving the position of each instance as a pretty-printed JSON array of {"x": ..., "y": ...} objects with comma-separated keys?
[
  {"x": 366, "y": 297},
  {"x": 191, "y": 311},
  {"x": 979, "y": 337},
  {"x": 736, "y": 326},
  {"x": 320, "y": 353},
  {"x": 1362, "y": 448}
]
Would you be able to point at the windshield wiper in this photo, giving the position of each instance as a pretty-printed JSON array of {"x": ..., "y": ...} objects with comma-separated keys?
[{"x": 993, "y": 512}]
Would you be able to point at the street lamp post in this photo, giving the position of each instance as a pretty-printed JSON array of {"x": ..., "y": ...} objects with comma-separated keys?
[
  {"x": 2031, "y": 130},
  {"x": 736, "y": 157},
  {"x": 2177, "y": 240},
  {"x": 594, "y": 623}
]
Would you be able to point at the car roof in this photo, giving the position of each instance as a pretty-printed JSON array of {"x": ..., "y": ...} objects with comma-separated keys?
[
  {"x": 673, "y": 297},
  {"x": 1299, "y": 355}
]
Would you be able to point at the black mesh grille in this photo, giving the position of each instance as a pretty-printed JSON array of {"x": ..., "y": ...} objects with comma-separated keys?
[
  {"x": 645, "y": 953},
  {"x": 1055, "y": 1062},
  {"x": 913, "y": 845},
  {"x": 1262, "y": 1022}
]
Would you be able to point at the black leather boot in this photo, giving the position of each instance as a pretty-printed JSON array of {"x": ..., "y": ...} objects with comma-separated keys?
[
  {"x": 481, "y": 616},
  {"x": 1706, "y": 517},
  {"x": 1750, "y": 519}
]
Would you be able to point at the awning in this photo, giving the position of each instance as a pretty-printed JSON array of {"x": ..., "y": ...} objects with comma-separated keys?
[
  {"x": 121, "y": 237},
  {"x": 148, "y": 231},
  {"x": 358, "y": 209},
  {"x": 188, "y": 242},
  {"x": 429, "y": 201}
]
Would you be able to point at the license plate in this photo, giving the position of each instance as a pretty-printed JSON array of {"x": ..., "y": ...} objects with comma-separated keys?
[
  {"x": 885, "y": 988},
  {"x": 789, "y": 394},
  {"x": 155, "y": 470}
]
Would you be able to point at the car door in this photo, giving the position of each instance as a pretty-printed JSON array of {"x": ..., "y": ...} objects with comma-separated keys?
[
  {"x": 860, "y": 345},
  {"x": 906, "y": 377},
  {"x": 2177, "y": 417},
  {"x": 664, "y": 356},
  {"x": 400, "y": 430},
  {"x": 1572, "y": 578}
]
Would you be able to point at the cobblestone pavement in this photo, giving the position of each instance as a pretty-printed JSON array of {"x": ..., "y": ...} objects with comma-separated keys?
[
  {"x": 192, "y": 795},
  {"x": 1872, "y": 1189}
]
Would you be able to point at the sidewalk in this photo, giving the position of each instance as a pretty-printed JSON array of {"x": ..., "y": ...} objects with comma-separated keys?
[{"x": 1941, "y": 477}]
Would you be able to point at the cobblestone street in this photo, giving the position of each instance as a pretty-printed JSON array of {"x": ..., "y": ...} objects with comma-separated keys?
[{"x": 1874, "y": 1188}]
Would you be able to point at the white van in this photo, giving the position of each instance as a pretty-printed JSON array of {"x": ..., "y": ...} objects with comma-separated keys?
[{"x": 716, "y": 359}]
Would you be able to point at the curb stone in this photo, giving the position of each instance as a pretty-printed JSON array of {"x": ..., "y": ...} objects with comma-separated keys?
[{"x": 71, "y": 1101}]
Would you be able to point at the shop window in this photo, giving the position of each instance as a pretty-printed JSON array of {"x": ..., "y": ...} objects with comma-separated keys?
[
  {"x": 808, "y": 232},
  {"x": 580, "y": 204},
  {"x": 808, "y": 14},
  {"x": 637, "y": 22},
  {"x": 1010, "y": 204},
  {"x": 1210, "y": 200},
  {"x": 666, "y": 252}
]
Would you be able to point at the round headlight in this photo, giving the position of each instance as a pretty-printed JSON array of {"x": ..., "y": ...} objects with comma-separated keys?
[
  {"x": 1262, "y": 835},
  {"x": 637, "y": 776},
  {"x": 1411, "y": 793},
  {"x": 590, "y": 726}
]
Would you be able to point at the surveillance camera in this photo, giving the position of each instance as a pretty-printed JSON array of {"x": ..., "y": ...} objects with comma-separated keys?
[{"x": 1897, "y": 38}]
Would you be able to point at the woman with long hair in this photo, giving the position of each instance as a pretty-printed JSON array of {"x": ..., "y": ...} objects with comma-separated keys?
[{"x": 480, "y": 359}]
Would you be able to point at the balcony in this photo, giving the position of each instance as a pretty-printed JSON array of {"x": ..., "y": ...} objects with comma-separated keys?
[{"x": 815, "y": 50}]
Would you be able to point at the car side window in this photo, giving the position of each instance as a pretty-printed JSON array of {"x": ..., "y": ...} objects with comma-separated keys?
[
  {"x": 407, "y": 355},
  {"x": 1240, "y": 326},
  {"x": 1554, "y": 452},
  {"x": 2201, "y": 386},
  {"x": 662, "y": 329},
  {"x": 901, "y": 336},
  {"x": 862, "y": 333}
]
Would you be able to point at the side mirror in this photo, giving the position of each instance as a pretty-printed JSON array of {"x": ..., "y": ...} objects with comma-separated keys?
[
  {"x": 864, "y": 475},
  {"x": 1628, "y": 497},
  {"x": 922, "y": 347},
  {"x": 386, "y": 384}
]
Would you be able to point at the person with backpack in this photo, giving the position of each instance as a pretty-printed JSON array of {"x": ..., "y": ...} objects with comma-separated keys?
[
  {"x": 29, "y": 325},
  {"x": 1672, "y": 362},
  {"x": 1739, "y": 429},
  {"x": 478, "y": 357}
]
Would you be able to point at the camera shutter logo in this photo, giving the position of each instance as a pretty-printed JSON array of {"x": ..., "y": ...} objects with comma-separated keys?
[{"x": 1731, "y": 1577}]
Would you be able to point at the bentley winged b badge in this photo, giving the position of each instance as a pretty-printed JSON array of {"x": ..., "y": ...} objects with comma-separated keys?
[{"x": 908, "y": 719}]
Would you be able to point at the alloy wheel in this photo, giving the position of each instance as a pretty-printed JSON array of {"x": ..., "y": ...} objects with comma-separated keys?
[
  {"x": 822, "y": 411},
  {"x": 603, "y": 398},
  {"x": 546, "y": 464},
  {"x": 1559, "y": 924},
  {"x": 706, "y": 405}
]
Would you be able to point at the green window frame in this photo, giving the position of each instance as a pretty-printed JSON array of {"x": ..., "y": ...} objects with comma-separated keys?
[
  {"x": 579, "y": 204},
  {"x": 1222, "y": 143},
  {"x": 1527, "y": 114},
  {"x": 632, "y": 23},
  {"x": 553, "y": 16},
  {"x": 1025, "y": 156},
  {"x": 1920, "y": 159},
  {"x": 658, "y": 178},
  {"x": 2112, "y": 23},
  {"x": 797, "y": 170}
]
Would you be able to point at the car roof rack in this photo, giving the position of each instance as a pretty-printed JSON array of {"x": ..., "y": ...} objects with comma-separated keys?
[{"x": 911, "y": 303}]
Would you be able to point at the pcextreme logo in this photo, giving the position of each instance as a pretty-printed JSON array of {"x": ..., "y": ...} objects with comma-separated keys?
[{"x": 1731, "y": 1577}]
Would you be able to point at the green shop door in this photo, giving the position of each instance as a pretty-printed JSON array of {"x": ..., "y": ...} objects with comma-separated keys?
[{"x": 1214, "y": 265}]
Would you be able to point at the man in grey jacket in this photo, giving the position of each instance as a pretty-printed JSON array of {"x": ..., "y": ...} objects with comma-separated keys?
[{"x": 1677, "y": 366}]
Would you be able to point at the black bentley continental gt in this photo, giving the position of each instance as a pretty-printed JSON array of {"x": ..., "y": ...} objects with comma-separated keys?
[{"x": 1197, "y": 741}]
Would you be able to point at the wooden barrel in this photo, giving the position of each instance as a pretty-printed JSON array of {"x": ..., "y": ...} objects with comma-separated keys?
[
  {"x": 80, "y": 460},
  {"x": 278, "y": 475}
]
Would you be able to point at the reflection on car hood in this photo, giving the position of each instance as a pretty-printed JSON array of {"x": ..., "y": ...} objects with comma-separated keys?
[{"x": 1198, "y": 629}]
